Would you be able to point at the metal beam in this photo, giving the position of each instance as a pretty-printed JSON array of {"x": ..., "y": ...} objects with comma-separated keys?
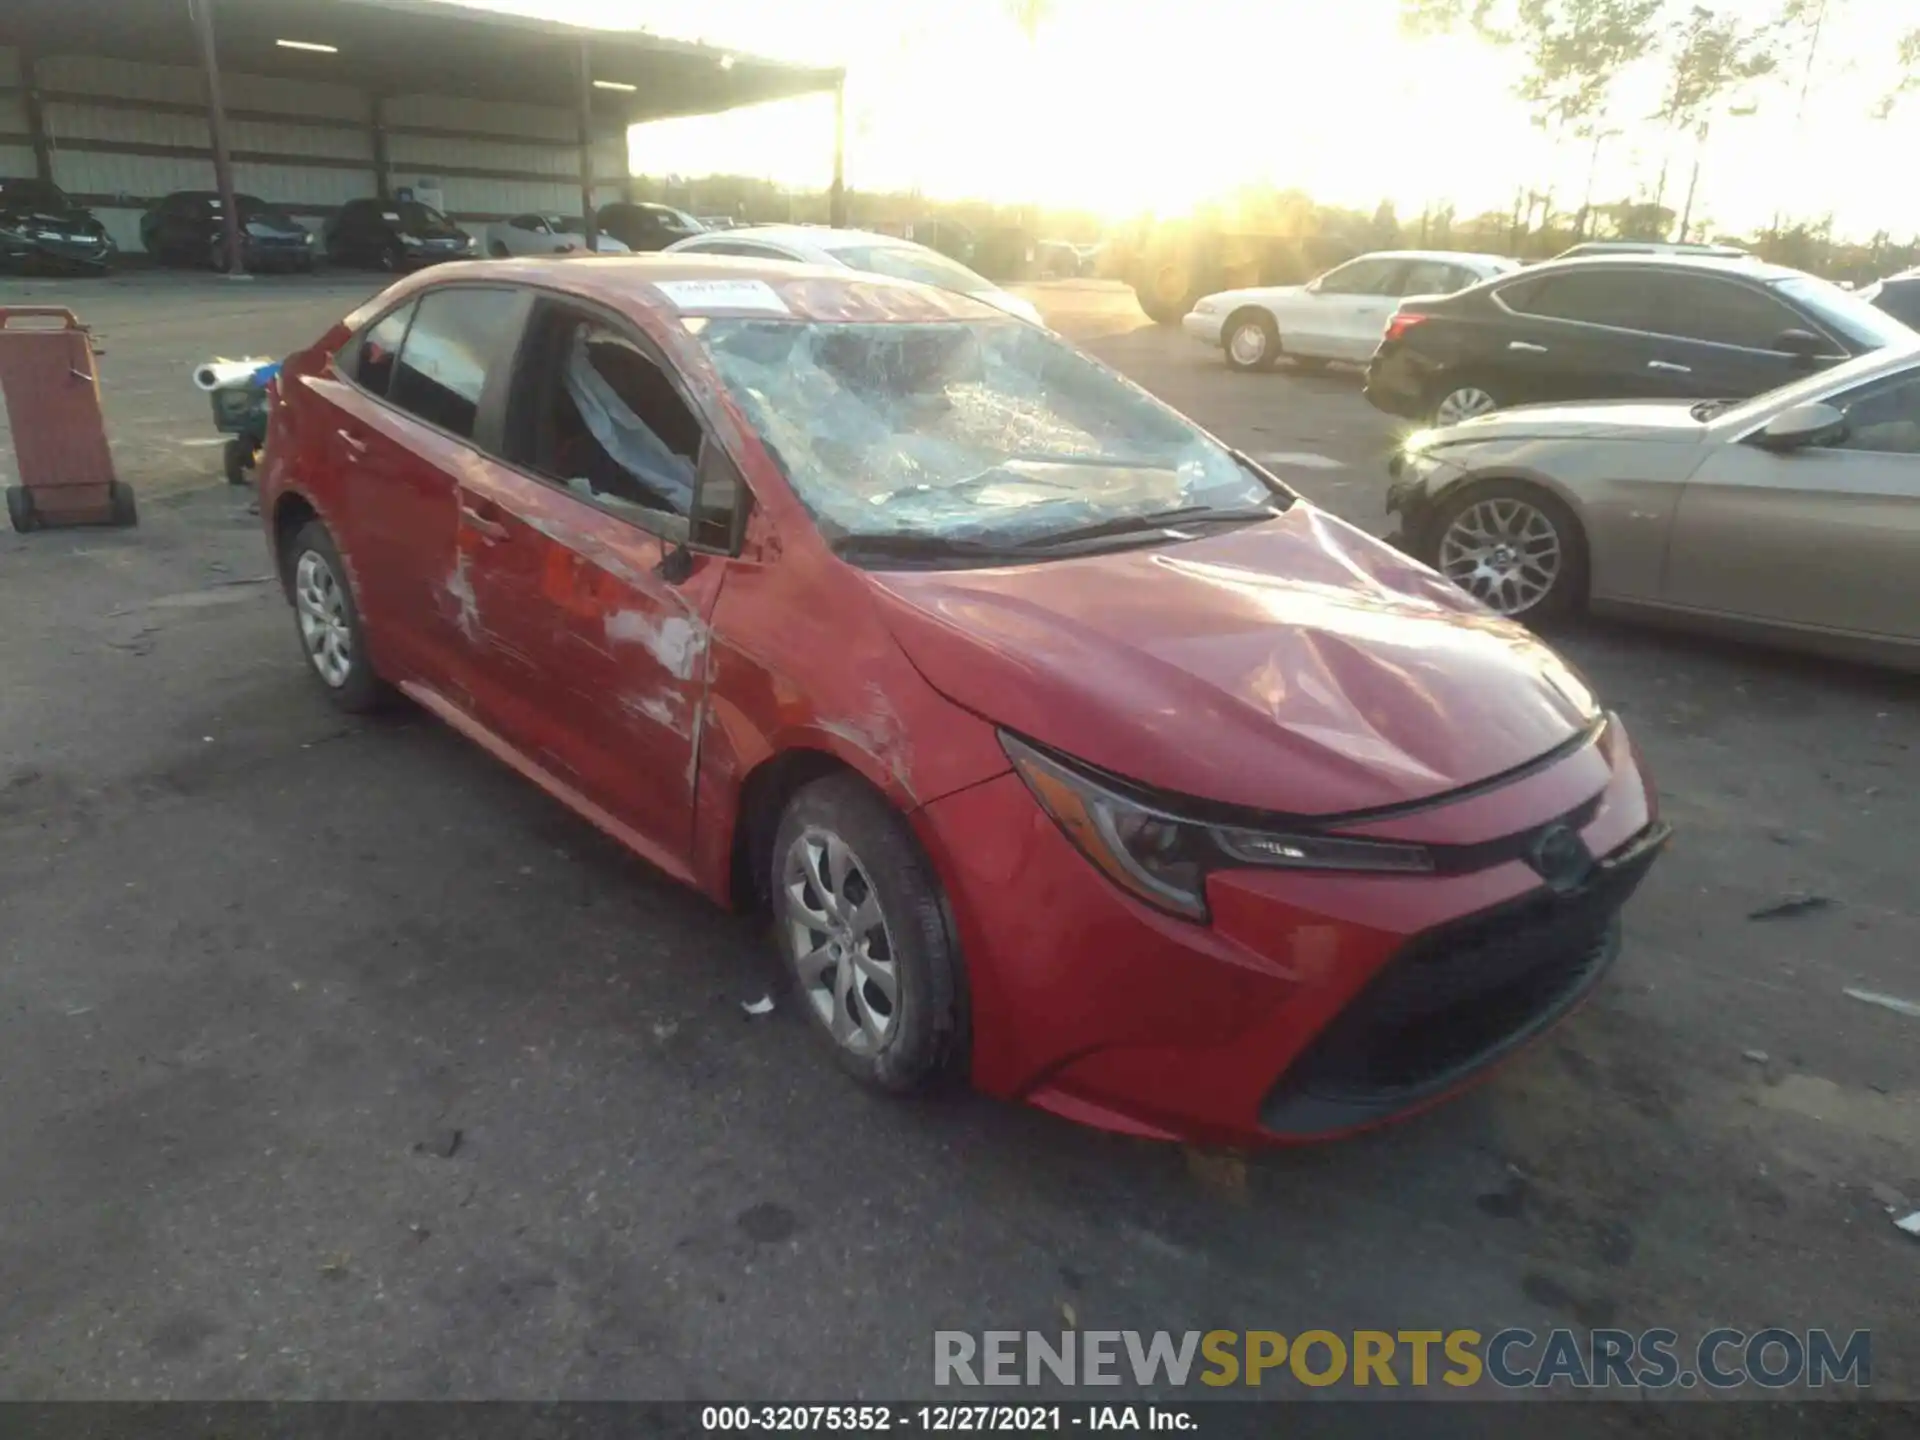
[
  {"x": 217, "y": 126},
  {"x": 587, "y": 219},
  {"x": 36, "y": 118},
  {"x": 837, "y": 198},
  {"x": 382, "y": 160}
]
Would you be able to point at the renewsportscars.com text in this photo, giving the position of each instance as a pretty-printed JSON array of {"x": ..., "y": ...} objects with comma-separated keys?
[{"x": 1509, "y": 1359}]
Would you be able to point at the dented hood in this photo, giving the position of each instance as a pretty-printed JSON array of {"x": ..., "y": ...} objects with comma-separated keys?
[{"x": 1297, "y": 666}]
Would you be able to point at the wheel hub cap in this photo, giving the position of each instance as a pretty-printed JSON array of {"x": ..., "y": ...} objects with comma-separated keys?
[
  {"x": 1505, "y": 553},
  {"x": 1249, "y": 343},
  {"x": 321, "y": 606},
  {"x": 842, "y": 948},
  {"x": 1463, "y": 404}
]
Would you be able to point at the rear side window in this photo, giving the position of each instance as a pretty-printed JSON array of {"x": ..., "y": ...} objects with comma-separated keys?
[
  {"x": 1433, "y": 277},
  {"x": 1721, "y": 312},
  {"x": 457, "y": 337},
  {"x": 1901, "y": 299},
  {"x": 1592, "y": 297},
  {"x": 370, "y": 359},
  {"x": 1362, "y": 277}
]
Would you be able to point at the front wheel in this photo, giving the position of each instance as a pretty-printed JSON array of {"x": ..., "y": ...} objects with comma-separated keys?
[
  {"x": 1251, "y": 341},
  {"x": 864, "y": 930},
  {"x": 20, "y": 509},
  {"x": 1512, "y": 546}
]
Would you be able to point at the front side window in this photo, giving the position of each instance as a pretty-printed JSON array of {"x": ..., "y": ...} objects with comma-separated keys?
[
  {"x": 1865, "y": 325},
  {"x": 1433, "y": 277},
  {"x": 1884, "y": 416},
  {"x": 454, "y": 341},
  {"x": 1360, "y": 277},
  {"x": 970, "y": 432},
  {"x": 1720, "y": 312}
]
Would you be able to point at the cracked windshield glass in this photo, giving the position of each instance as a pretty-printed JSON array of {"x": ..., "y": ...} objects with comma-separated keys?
[{"x": 990, "y": 432}]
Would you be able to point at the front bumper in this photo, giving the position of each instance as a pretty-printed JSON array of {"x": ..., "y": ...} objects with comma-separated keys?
[
  {"x": 1312, "y": 1004},
  {"x": 1203, "y": 327},
  {"x": 55, "y": 255}
]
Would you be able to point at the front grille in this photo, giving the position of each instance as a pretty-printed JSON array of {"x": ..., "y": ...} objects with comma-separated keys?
[{"x": 1457, "y": 998}]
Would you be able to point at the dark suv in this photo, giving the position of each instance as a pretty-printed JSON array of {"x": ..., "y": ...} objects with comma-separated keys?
[
  {"x": 188, "y": 228},
  {"x": 640, "y": 226},
  {"x": 393, "y": 235},
  {"x": 1633, "y": 327}
]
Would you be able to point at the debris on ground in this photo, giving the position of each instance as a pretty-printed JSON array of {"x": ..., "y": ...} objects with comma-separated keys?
[
  {"x": 1886, "y": 1197},
  {"x": 664, "y": 1030},
  {"x": 762, "y": 1006},
  {"x": 1908, "y": 1008},
  {"x": 1788, "y": 906},
  {"x": 442, "y": 1143},
  {"x": 1754, "y": 1057},
  {"x": 1910, "y": 1224}
]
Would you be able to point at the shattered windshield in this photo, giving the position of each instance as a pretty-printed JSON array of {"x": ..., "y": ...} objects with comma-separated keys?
[{"x": 970, "y": 431}]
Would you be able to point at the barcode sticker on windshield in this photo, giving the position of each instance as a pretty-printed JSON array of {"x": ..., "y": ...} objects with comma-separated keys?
[{"x": 698, "y": 296}]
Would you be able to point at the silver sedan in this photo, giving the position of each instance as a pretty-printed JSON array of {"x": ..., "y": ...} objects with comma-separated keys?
[{"x": 1793, "y": 517}]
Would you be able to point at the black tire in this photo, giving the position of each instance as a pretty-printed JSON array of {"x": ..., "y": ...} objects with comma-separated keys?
[
  {"x": 1258, "y": 325},
  {"x": 237, "y": 459},
  {"x": 1568, "y": 592},
  {"x": 1451, "y": 385},
  {"x": 218, "y": 260},
  {"x": 124, "y": 511},
  {"x": 926, "y": 1025},
  {"x": 361, "y": 690},
  {"x": 20, "y": 509}
]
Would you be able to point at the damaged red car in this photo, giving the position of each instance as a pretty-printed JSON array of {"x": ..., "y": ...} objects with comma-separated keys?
[{"x": 1070, "y": 750}]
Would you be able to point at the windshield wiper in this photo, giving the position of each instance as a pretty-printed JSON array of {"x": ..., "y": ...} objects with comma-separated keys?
[
  {"x": 922, "y": 547},
  {"x": 1707, "y": 409},
  {"x": 1160, "y": 520}
]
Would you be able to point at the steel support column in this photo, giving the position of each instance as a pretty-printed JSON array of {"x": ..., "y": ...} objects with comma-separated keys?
[
  {"x": 36, "y": 118},
  {"x": 837, "y": 197},
  {"x": 202, "y": 11},
  {"x": 586, "y": 150}
]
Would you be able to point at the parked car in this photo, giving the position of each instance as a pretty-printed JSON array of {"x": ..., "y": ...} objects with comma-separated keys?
[
  {"x": 1898, "y": 295},
  {"x": 1793, "y": 517},
  {"x": 186, "y": 228},
  {"x": 747, "y": 565},
  {"x": 1337, "y": 316},
  {"x": 858, "y": 250},
  {"x": 546, "y": 235},
  {"x": 393, "y": 235},
  {"x": 1650, "y": 247},
  {"x": 41, "y": 229},
  {"x": 641, "y": 226},
  {"x": 717, "y": 222},
  {"x": 1658, "y": 327}
]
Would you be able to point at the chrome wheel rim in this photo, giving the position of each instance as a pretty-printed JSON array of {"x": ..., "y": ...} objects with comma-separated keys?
[
  {"x": 1504, "y": 552},
  {"x": 321, "y": 605},
  {"x": 1463, "y": 404},
  {"x": 841, "y": 947},
  {"x": 1248, "y": 344}
]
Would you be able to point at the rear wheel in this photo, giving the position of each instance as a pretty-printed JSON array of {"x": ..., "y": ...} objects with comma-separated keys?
[
  {"x": 1250, "y": 341},
  {"x": 1512, "y": 546},
  {"x": 863, "y": 926},
  {"x": 1458, "y": 400},
  {"x": 329, "y": 622}
]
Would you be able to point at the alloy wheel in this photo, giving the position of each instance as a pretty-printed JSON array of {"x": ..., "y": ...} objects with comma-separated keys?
[
  {"x": 1463, "y": 404},
  {"x": 321, "y": 605},
  {"x": 843, "y": 952},
  {"x": 1504, "y": 552}
]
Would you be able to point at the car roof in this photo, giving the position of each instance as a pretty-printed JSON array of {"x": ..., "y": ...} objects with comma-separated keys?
[
  {"x": 801, "y": 291},
  {"x": 817, "y": 237},
  {"x": 1733, "y": 265},
  {"x": 1451, "y": 256}
]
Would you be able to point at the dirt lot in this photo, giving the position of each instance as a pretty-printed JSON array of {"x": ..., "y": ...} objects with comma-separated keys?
[{"x": 339, "y": 1062}]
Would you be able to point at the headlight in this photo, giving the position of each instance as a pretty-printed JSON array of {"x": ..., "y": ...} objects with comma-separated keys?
[
  {"x": 1206, "y": 305},
  {"x": 1164, "y": 858}
]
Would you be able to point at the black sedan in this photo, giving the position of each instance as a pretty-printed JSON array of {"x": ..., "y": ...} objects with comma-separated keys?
[
  {"x": 41, "y": 229},
  {"x": 393, "y": 235},
  {"x": 1620, "y": 328},
  {"x": 189, "y": 228}
]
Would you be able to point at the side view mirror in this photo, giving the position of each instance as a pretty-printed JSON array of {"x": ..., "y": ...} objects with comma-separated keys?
[
  {"x": 1800, "y": 425},
  {"x": 1803, "y": 345}
]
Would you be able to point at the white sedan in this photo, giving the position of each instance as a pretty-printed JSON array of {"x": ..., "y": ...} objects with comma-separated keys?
[
  {"x": 545, "y": 235},
  {"x": 858, "y": 250},
  {"x": 1339, "y": 316}
]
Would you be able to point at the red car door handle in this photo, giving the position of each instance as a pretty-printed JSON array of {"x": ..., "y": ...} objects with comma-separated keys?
[
  {"x": 483, "y": 525},
  {"x": 352, "y": 441}
]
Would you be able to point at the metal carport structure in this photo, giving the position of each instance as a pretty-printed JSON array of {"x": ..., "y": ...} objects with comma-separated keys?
[{"x": 393, "y": 53}]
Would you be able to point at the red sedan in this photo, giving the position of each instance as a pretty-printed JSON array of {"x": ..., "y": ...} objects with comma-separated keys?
[{"x": 1068, "y": 748}]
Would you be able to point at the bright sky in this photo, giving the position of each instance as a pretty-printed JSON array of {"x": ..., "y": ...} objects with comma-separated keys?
[{"x": 1123, "y": 105}]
